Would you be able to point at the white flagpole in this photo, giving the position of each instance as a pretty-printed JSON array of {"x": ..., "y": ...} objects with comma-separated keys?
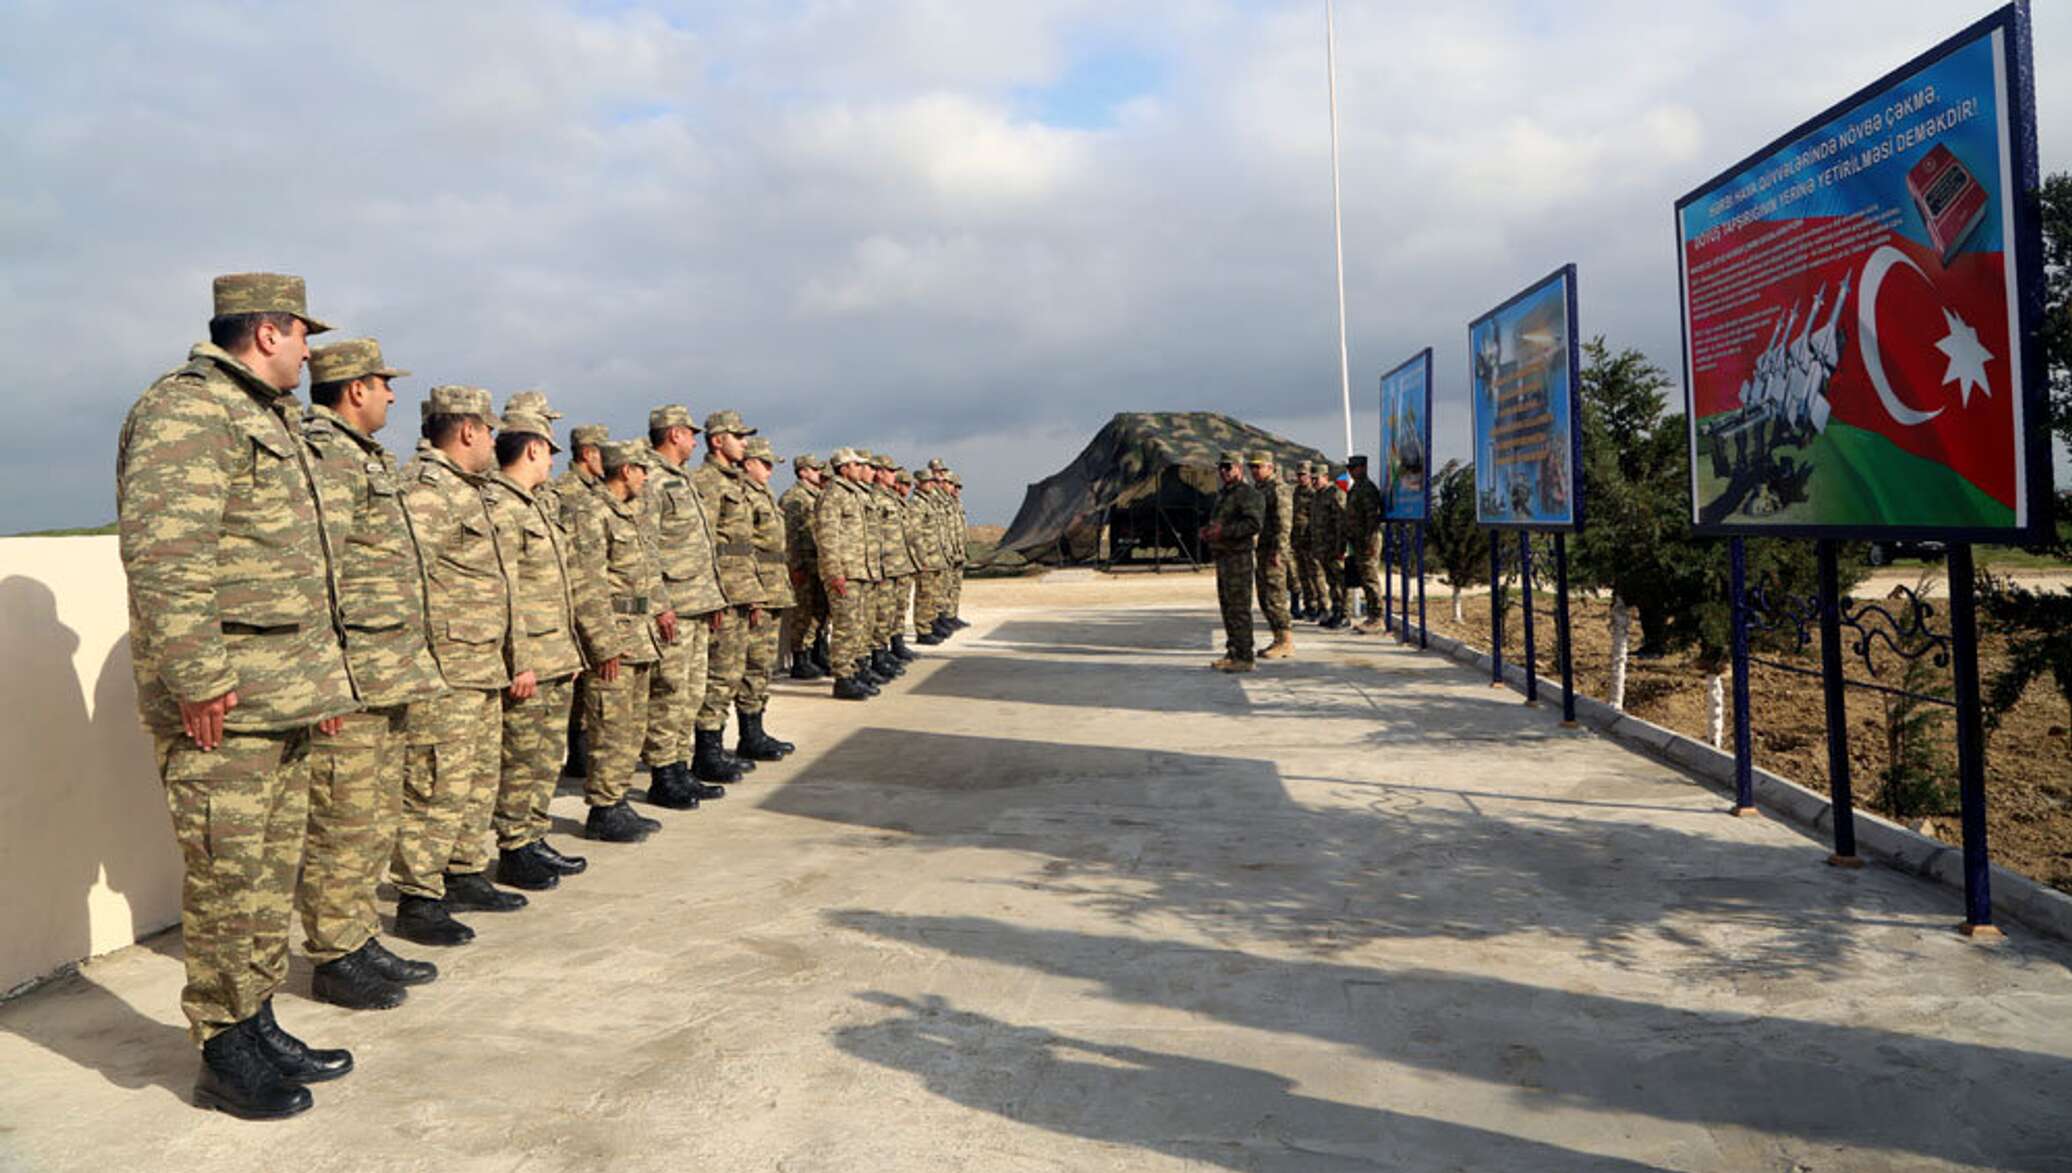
[{"x": 1345, "y": 374}]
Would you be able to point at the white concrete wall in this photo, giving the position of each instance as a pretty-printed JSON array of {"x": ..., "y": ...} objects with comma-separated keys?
[{"x": 87, "y": 860}]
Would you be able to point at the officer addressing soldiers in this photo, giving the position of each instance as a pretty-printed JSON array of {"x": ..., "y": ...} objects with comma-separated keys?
[
  {"x": 724, "y": 492},
  {"x": 752, "y": 700},
  {"x": 841, "y": 534},
  {"x": 1234, "y": 525},
  {"x": 805, "y": 623},
  {"x": 1363, "y": 508},
  {"x": 683, "y": 535},
  {"x": 238, "y": 655},
  {"x": 1276, "y": 555},
  {"x": 356, "y": 774}
]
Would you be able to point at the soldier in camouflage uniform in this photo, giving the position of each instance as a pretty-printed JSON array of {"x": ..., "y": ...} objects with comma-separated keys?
[
  {"x": 238, "y": 654},
  {"x": 1363, "y": 520},
  {"x": 615, "y": 543},
  {"x": 683, "y": 534},
  {"x": 585, "y": 472},
  {"x": 879, "y": 668},
  {"x": 924, "y": 545},
  {"x": 356, "y": 774},
  {"x": 841, "y": 533},
  {"x": 723, "y": 490},
  {"x": 805, "y": 623},
  {"x": 1327, "y": 539},
  {"x": 899, "y": 570},
  {"x": 1233, "y": 528},
  {"x": 454, "y": 741},
  {"x": 1275, "y": 556},
  {"x": 959, "y": 550},
  {"x": 752, "y": 700},
  {"x": 557, "y": 611},
  {"x": 1302, "y": 580}
]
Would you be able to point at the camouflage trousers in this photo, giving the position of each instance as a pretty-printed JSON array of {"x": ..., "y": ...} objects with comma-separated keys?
[
  {"x": 450, "y": 760},
  {"x": 759, "y": 662},
  {"x": 807, "y": 621},
  {"x": 1369, "y": 566},
  {"x": 1309, "y": 578},
  {"x": 928, "y": 599},
  {"x": 615, "y": 717},
  {"x": 849, "y": 620},
  {"x": 1234, "y": 587},
  {"x": 239, "y": 813},
  {"x": 355, "y": 805},
  {"x": 726, "y": 660},
  {"x": 1332, "y": 571},
  {"x": 1272, "y": 575},
  {"x": 675, "y": 690},
  {"x": 892, "y": 605},
  {"x": 533, "y": 753},
  {"x": 955, "y": 604}
]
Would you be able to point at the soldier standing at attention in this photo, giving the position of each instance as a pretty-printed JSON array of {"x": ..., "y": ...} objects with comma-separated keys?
[
  {"x": 924, "y": 546},
  {"x": 841, "y": 536},
  {"x": 959, "y": 549},
  {"x": 454, "y": 741},
  {"x": 684, "y": 538},
  {"x": 1276, "y": 555},
  {"x": 1300, "y": 582},
  {"x": 356, "y": 774},
  {"x": 880, "y": 666},
  {"x": 585, "y": 471},
  {"x": 724, "y": 492},
  {"x": 806, "y": 623},
  {"x": 930, "y": 494},
  {"x": 556, "y": 611},
  {"x": 237, "y": 655},
  {"x": 1363, "y": 519},
  {"x": 753, "y": 699},
  {"x": 899, "y": 567},
  {"x": 613, "y": 539},
  {"x": 1234, "y": 524},
  {"x": 1327, "y": 545}
]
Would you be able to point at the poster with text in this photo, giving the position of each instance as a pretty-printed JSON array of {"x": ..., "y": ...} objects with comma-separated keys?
[
  {"x": 1523, "y": 373},
  {"x": 1853, "y": 327},
  {"x": 1406, "y": 440}
]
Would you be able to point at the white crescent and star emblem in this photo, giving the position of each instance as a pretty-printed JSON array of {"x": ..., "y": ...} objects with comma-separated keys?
[{"x": 1968, "y": 356}]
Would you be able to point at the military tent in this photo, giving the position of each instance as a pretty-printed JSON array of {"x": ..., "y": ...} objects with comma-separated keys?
[{"x": 1147, "y": 479}]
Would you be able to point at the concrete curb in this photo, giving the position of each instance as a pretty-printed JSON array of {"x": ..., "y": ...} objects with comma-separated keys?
[{"x": 2038, "y": 906}]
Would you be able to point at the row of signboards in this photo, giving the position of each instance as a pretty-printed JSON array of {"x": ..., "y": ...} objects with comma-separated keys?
[{"x": 1860, "y": 300}]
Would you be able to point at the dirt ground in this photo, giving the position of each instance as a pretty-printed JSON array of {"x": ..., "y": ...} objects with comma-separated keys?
[{"x": 2028, "y": 763}]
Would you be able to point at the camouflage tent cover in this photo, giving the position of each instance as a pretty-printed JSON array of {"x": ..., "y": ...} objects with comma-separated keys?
[{"x": 1140, "y": 460}]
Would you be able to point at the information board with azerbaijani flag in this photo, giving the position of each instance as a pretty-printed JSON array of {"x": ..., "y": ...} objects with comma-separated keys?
[
  {"x": 1406, "y": 440},
  {"x": 1857, "y": 300}
]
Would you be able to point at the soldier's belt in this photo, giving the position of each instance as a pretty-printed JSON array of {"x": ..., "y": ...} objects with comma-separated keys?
[
  {"x": 735, "y": 549},
  {"x": 774, "y": 557},
  {"x": 630, "y": 604}
]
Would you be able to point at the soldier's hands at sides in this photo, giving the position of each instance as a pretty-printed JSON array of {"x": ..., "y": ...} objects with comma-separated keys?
[
  {"x": 203, "y": 720},
  {"x": 839, "y": 587},
  {"x": 716, "y": 620},
  {"x": 609, "y": 671},
  {"x": 524, "y": 685},
  {"x": 755, "y": 617},
  {"x": 666, "y": 621},
  {"x": 330, "y": 726}
]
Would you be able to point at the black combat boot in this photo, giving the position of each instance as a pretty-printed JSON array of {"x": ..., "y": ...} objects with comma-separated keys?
[
  {"x": 709, "y": 763},
  {"x": 888, "y": 665},
  {"x": 904, "y": 652},
  {"x": 400, "y": 970},
  {"x": 943, "y": 626},
  {"x": 820, "y": 657},
  {"x": 868, "y": 675},
  {"x": 803, "y": 667},
  {"x": 959, "y": 623},
  {"x": 929, "y": 638},
  {"x": 472, "y": 892},
  {"x": 567, "y": 865},
  {"x": 429, "y": 922},
  {"x": 523, "y": 868},
  {"x": 849, "y": 688},
  {"x": 670, "y": 786},
  {"x": 783, "y": 747},
  {"x": 353, "y": 982},
  {"x": 757, "y": 744},
  {"x": 238, "y": 1076},
  {"x": 297, "y": 1061},
  {"x": 614, "y": 824},
  {"x": 704, "y": 791}
]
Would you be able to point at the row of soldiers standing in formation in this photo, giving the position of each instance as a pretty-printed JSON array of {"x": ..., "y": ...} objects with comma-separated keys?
[
  {"x": 350, "y": 670},
  {"x": 1300, "y": 548}
]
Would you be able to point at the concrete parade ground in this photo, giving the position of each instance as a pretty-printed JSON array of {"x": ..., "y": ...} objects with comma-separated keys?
[{"x": 1061, "y": 899}]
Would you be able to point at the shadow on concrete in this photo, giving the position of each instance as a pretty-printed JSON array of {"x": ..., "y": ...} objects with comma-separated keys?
[
  {"x": 1881, "y": 1090},
  {"x": 1204, "y": 1111},
  {"x": 1135, "y": 632},
  {"x": 77, "y": 1018}
]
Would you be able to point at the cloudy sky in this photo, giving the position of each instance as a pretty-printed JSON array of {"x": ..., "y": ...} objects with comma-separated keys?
[{"x": 934, "y": 227}]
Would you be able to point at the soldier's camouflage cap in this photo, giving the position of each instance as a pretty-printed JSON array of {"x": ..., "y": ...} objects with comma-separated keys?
[
  {"x": 671, "y": 415},
  {"x": 617, "y": 454},
  {"x": 904, "y": 477},
  {"x": 349, "y": 359},
  {"x": 954, "y": 479},
  {"x": 722, "y": 423},
  {"x": 1302, "y": 468},
  {"x": 264, "y": 293},
  {"x": 880, "y": 460},
  {"x": 589, "y": 436},
  {"x": 806, "y": 460},
  {"x": 935, "y": 464},
  {"x": 530, "y": 401},
  {"x": 458, "y": 399},
  {"x": 531, "y": 424},
  {"x": 759, "y": 449},
  {"x": 1232, "y": 458},
  {"x": 1261, "y": 457}
]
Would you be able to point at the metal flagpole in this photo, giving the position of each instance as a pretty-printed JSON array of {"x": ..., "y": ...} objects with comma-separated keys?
[{"x": 1345, "y": 373}]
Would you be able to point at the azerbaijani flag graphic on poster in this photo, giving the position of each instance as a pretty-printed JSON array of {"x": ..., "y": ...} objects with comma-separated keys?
[{"x": 1852, "y": 347}]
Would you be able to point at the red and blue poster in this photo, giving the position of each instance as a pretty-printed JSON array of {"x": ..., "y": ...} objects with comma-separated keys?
[{"x": 1854, "y": 344}]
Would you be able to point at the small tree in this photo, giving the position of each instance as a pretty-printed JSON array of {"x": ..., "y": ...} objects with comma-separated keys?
[{"x": 1460, "y": 546}]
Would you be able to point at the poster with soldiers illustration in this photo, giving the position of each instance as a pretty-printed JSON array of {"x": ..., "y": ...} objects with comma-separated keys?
[
  {"x": 1854, "y": 318},
  {"x": 1406, "y": 440},
  {"x": 1524, "y": 372}
]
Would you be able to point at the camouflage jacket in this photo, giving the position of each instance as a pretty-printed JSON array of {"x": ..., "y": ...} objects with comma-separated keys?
[
  {"x": 769, "y": 525},
  {"x": 684, "y": 538},
  {"x": 1241, "y": 512},
  {"x": 380, "y": 574},
  {"x": 960, "y": 548},
  {"x": 841, "y": 530},
  {"x": 724, "y": 491},
  {"x": 798, "y": 504},
  {"x": 1303, "y": 501},
  {"x": 892, "y": 532},
  {"x": 1363, "y": 514},
  {"x": 552, "y": 616},
  {"x": 223, "y": 540},
  {"x": 1277, "y": 525},
  {"x": 572, "y": 484},
  {"x": 1327, "y": 524},
  {"x": 468, "y": 594},
  {"x": 613, "y": 542},
  {"x": 924, "y": 529}
]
